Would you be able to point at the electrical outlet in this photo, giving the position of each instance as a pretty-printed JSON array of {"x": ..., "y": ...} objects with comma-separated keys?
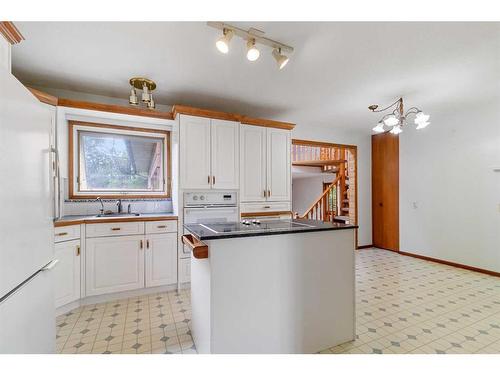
[{"x": 415, "y": 205}]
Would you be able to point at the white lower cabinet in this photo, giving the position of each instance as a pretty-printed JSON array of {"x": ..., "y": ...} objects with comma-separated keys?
[
  {"x": 114, "y": 264},
  {"x": 160, "y": 259},
  {"x": 67, "y": 272},
  {"x": 185, "y": 270}
]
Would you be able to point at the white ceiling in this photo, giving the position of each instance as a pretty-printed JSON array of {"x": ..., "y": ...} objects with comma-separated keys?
[{"x": 336, "y": 71}]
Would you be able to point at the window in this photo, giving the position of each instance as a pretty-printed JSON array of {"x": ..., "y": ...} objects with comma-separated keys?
[{"x": 118, "y": 161}]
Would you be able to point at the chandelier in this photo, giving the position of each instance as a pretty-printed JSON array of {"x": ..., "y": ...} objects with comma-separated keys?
[{"x": 397, "y": 119}]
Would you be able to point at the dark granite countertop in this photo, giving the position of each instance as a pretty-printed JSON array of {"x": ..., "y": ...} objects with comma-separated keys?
[{"x": 215, "y": 231}]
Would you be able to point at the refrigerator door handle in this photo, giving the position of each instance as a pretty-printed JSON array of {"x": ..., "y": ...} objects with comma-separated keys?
[
  {"x": 51, "y": 265},
  {"x": 57, "y": 187}
]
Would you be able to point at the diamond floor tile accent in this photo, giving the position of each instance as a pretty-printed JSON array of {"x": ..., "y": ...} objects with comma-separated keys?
[{"x": 403, "y": 305}]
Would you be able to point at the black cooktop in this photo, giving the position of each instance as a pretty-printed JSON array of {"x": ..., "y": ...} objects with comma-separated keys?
[{"x": 212, "y": 231}]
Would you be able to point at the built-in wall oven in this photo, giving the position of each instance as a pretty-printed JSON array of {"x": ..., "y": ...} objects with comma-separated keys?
[{"x": 208, "y": 207}]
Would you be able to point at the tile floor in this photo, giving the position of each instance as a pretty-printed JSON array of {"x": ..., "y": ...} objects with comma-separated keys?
[{"x": 403, "y": 305}]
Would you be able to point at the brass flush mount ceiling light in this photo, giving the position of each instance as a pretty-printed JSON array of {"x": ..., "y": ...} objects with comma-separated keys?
[
  {"x": 253, "y": 37},
  {"x": 147, "y": 86},
  {"x": 398, "y": 117}
]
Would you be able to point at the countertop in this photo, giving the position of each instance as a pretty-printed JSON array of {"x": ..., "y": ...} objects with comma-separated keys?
[
  {"x": 215, "y": 231},
  {"x": 92, "y": 219}
]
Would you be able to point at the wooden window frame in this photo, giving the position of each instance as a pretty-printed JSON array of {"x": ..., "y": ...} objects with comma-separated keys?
[{"x": 74, "y": 156}]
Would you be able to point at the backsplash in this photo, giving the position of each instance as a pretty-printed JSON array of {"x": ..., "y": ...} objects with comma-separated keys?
[{"x": 92, "y": 207}]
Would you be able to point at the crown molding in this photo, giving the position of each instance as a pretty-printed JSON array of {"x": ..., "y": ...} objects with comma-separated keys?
[{"x": 10, "y": 32}]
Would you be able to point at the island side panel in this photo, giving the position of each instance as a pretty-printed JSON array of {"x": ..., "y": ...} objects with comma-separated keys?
[
  {"x": 290, "y": 293},
  {"x": 200, "y": 305}
]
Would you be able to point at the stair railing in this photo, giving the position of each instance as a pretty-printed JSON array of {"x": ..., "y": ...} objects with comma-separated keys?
[{"x": 325, "y": 207}]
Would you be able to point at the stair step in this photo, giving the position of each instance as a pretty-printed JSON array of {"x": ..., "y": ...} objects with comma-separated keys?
[
  {"x": 345, "y": 201},
  {"x": 345, "y": 209}
]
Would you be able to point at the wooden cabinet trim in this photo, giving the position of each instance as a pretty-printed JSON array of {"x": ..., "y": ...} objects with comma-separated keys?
[
  {"x": 43, "y": 96},
  {"x": 10, "y": 32},
  {"x": 133, "y": 111},
  {"x": 247, "y": 120}
]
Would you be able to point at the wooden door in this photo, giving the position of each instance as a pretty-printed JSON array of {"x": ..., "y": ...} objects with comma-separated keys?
[
  {"x": 114, "y": 264},
  {"x": 385, "y": 191},
  {"x": 252, "y": 163},
  {"x": 161, "y": 259},
  {"x": 194, "y": 152},
  {"x": 67, "y": 272},
  {"x": 225, "y": 140},
  {"x": 278, "y": 165}
]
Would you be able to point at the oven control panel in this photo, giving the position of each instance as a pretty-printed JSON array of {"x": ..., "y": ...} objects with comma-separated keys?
[{"x": 205, "y": 198}]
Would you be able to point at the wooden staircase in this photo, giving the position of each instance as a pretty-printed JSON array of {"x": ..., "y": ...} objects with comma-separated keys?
[{"x": 333, "y": 204}]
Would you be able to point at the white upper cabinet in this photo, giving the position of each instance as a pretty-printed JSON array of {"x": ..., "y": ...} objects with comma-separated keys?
[
  {"x": 265, "y": 164},
  {"x": 278, "y": 165},
  {"x": 195, "y": 152},
  {"x": 253, "y": 163},
  {"x": 225, "y": 154},
  {"x": 209, "y": 153}
]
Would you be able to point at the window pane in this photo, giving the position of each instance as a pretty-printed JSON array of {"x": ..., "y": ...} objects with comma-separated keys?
[{"x": 118, "y": 162}]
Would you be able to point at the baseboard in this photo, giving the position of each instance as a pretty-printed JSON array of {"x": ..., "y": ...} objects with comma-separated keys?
[
  {"x": 453, "y": 264},
  {"x": 363, "y": 247},
  {"x": 90, "y": 300}
]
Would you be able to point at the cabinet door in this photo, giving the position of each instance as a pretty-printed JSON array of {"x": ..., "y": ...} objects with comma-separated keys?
[
  {"x": 194, "y": 152},
  {"x": 114, "y": 264},
  {"x": 161, "y": 259},
  {"x": 185, "y": 270},
  {"x": 278, "y": 165},
  {"x": 225, "y": 154},
  {"x": 252, "y": 163},
  {"x": 67, "y": 272}
]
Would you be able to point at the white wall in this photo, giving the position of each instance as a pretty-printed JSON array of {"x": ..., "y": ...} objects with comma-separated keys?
[
  {"x": 305, "y": 191},
  {"x": 449, "y": 192},
  {"x": 4, "y": 54},
  {"x": 363, "y": 141}
]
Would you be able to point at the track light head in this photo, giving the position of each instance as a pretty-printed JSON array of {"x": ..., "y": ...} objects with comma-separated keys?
[
  {"x": 281, "y": 59},
  {"x": 252, "y": 52},
  {"x": 223, "y": 43},
  {"x": 132, "y": 99}
]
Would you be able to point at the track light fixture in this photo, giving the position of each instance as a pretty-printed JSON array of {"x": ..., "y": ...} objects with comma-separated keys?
[
  {"x": 223, "y": 43},
  {"x": 281, "y": 60},
  {"x": 253, "y": 37},
  {"x": 397, "y": 119},
  {"x": 252, "y": 52},
  {"x": 147, "y": 86}
]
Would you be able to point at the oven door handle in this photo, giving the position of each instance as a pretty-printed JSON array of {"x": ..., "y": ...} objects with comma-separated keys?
[{"x": 199, "y": 249}]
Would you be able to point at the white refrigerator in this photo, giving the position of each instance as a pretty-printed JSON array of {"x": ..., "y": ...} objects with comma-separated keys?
[{"x": 27, "y": 311}]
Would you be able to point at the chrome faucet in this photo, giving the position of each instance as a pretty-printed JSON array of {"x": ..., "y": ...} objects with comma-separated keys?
[
  {"x": 99, "y": 199},
  {"x": 119, "y": 205}
]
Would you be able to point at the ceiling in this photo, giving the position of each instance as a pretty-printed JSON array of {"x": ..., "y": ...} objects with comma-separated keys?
[{"x": 336, "y": 71}]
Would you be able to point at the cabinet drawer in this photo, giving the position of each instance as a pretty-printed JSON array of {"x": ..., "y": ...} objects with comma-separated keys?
[
  {"x": 265, "y": 208},
  {"x": 166, "y": 226},
  {"x": 71, "y": 232},
  {"x": 114, "y": 229}
]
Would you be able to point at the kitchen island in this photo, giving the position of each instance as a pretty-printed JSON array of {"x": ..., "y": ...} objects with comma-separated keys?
[{"x": 283, "y": 286}]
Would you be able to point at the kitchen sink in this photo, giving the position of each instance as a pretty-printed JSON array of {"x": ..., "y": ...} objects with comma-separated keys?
[{"x": 118, "y": 215}]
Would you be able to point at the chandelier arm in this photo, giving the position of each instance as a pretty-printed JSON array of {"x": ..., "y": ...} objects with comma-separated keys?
[
  {"x": 386, "y": 108},
  {"x": 412, "y": 110}
]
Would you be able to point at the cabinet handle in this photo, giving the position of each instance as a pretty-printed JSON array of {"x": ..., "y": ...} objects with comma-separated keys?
[
  {"x": 161, "y": 226},
  {"x": 266, "y": 207},
  {"x": 213, "y": 180},
  {"x": 141, "y": 244},
  {"x": 62, "y": 234},
  {"x": 265, "y": 194},
  {"x": 147, "y": 244},
  {"x": 78, "y": 251},
  {"x": 116, "y": 228},
  {"x": 208, "y": 180},
  {"x": 268, "y": 193}
]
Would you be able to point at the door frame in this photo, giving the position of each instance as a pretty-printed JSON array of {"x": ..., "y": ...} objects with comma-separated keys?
[{"x": 354, "y": 150}]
